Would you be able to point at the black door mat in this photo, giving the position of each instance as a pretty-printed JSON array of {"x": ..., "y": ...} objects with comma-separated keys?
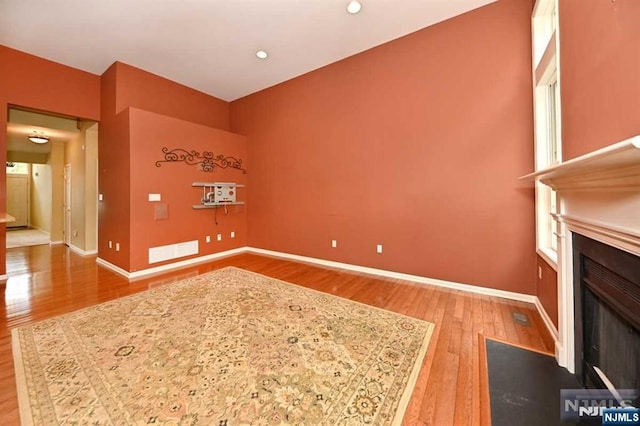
[{"x": 524, "y": 386}]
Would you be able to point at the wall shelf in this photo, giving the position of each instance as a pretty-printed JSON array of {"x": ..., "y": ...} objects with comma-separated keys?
[
  {"x": 212, "y": 184},
  {"x": 216, "y": 205},
  {"x": 616, "y": 166},
  {"x": 217, "y": 194}
]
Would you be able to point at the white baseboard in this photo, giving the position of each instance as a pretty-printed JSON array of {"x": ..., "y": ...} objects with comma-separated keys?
[
  {"x": 547, "y": 321},
  {"x": 399, "y": 275},
  {"x": 39, "y": 229},
  {"x": 3, "y": 277},
  {"x": 356, "y": 268},
  {"x": 81, "y": 252},
  {"x": 171, "y": 266},
  {"x": 112, "y": 267}
]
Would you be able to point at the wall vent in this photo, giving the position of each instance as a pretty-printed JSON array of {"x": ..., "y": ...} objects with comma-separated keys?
[{"x": 173, "y": 251}]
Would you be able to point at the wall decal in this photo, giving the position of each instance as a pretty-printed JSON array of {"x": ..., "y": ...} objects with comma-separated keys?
[{"x": 208, "y": 160}]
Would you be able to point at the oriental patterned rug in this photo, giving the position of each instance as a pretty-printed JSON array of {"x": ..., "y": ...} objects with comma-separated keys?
[{"x": 229, "y": 347}]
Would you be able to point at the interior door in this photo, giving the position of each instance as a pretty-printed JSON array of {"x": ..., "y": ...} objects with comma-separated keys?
[
  {"x": 67, "y": 204},
  {"x": 18, "y": 199}
]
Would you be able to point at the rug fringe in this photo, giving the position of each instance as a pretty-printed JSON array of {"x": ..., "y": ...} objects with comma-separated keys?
[{"x": 26, "y": 417}]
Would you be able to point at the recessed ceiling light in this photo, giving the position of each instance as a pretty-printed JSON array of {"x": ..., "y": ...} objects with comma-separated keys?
[
  {"x": 262, "y": 54},
  {"x": 354, "y": 7}
]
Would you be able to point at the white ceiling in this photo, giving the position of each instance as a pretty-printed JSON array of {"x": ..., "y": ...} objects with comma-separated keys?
[{"x": 210, "y": 45}]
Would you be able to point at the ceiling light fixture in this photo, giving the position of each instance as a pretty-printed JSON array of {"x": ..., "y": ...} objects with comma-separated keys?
[
  {"x": 262, "y": 54},
  {"x": 354, "y": 7},
  {"x": 38, "y": 138}
]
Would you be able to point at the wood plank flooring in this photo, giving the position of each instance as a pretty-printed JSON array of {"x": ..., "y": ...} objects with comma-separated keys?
[{"x": 48, "y": 281}]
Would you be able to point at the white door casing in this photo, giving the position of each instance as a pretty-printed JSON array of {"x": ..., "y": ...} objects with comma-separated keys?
[{"x": 67, "y": 204}]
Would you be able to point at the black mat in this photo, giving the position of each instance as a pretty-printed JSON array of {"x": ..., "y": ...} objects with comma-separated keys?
[{"x": 524, "y": 386}]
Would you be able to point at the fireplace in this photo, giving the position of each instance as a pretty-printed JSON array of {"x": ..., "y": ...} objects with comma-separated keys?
[
  {"x": 598, "y": 196},
  {"x": 607, "y": 315}
]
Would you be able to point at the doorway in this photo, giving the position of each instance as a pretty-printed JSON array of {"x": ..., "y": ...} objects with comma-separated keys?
[
  {"x": 21, "y": 184},
  {"x": 66, "y": 152}
]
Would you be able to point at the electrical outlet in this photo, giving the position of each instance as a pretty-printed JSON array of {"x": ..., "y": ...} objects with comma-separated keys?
[
  {"x": 207, "y": 239},
  {"x": 117, "y": 246},
  {"x": 379, "y": 248},
  {"x": 233, "y": 234},
  {"x": 539, "y": 273},
  {"x": 334, "y": 243},
  {"x": 219, "y": 237},
  {"x": 110, "y": 244}
]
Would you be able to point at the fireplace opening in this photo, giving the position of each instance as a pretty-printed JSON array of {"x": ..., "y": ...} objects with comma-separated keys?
[{"x": 607, "y": 315}]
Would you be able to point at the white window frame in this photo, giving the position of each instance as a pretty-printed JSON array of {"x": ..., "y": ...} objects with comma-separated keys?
[
  {"x": 25, "y": 169},
  {"x": 547, "y": 121}
]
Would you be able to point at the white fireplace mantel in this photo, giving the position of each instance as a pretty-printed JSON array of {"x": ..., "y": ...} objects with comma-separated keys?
[
  {"x": 599, "y": 197},
  {"x": 616, "y": 167}
]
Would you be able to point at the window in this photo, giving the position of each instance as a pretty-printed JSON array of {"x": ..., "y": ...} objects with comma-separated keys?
[
  {"x": 17, "y": 168},
  {"x": 546, "y": 90}
]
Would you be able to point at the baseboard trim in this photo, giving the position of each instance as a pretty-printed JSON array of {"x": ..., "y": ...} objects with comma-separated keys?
[
  {"x": 331, "y": 264},
  {"x": 56, "y": 243},
  {"x": 118, "y": 270},
  {"x": 399, "y": 275},
  {"x": 83, "y": 253},
  {"x": 170, "y": 266},
  {"x": 547, "y": 321},
  {"x": 41, "y": 230},
  {"x": 3, "y": 277}
]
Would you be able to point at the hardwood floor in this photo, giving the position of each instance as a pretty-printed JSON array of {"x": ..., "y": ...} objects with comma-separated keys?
[{"x": 48, "y": 281}]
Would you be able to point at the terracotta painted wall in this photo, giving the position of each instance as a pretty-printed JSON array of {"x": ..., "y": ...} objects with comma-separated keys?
[
  {"x": 141, "y": 114},
  {"x": 149, "y": 133},
  {"x": 416, "y": 144},
  {"x": 600, "y": 73},
  {"x": 29, "y": 81},
  {"x": 113, "y": 176},
  {"x": 547, "y": 289},
  {"x": 91, "y": 189},
  {"x": 144, "y": 90}
]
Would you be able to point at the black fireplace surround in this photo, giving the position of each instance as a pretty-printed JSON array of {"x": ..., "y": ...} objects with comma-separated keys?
[{"x": 607, "y": 314}]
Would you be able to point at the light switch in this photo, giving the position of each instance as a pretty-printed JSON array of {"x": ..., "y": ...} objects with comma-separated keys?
[{"x": 155, "y": 197}]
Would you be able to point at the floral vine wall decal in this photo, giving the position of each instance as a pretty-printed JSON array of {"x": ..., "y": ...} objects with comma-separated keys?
[{"x": 207, "y": 160}]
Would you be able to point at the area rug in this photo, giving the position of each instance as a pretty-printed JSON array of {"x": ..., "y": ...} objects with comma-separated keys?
[{"x": 229, "y": 347}]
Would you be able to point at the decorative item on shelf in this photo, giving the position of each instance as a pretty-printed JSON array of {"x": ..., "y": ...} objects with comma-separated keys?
[
  {"x": 218, "y": 194},
  {"x": 215, "y": 194},
  {"x": 207, "y": 159}
]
